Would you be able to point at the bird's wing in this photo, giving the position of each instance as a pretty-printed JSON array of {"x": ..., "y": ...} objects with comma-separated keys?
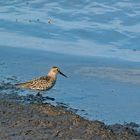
[
  {"x": 47, "y": 78},
  {"x": 34, "y": 82},
  {"x": 25, "y": 84}
]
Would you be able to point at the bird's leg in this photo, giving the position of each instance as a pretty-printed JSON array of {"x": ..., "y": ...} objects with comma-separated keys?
[
  {"x": 38, "y": 94},
  {"x": 39, "y": 97}
]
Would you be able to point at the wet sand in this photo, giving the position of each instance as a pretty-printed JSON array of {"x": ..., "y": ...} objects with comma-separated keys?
[{"x": 37, "y": 121}]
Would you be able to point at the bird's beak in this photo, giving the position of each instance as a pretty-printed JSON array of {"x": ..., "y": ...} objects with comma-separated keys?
[{"x": 62, "y": 74}]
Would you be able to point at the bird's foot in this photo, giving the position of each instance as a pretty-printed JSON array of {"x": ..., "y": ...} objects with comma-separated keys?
[
  {"x": 49, "y": 98},
  {"x": 39, "y": 96}
]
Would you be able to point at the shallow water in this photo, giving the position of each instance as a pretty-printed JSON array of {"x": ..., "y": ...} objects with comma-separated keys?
[
  {"x": 102, "y": 89},
  {"x": 95, "y": 43}
]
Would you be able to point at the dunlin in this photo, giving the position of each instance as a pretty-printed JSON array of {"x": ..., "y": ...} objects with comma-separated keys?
[{"x": 42, "y": 83}]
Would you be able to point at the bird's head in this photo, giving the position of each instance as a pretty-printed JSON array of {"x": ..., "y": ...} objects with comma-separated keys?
[{"x": 54, "y": 71}]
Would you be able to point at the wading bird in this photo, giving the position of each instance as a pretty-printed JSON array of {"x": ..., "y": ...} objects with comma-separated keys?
[{"x": 42, "y": 83}]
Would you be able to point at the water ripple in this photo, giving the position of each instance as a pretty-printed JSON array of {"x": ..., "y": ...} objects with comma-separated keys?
[{"x": 93, "y": 23}]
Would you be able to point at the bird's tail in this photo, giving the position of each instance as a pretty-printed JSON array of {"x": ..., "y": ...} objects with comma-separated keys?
[{"x": 20, "y": 85}]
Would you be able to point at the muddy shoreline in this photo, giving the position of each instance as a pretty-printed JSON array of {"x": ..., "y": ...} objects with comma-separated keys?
[{"x": 39, "y": 121}]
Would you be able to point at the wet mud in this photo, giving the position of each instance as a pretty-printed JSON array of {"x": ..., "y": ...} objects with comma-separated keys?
[{"x": 44, "y": 121}]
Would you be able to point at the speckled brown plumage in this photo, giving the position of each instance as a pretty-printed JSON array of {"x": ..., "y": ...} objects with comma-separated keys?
[{"x": 42, "y": 83}]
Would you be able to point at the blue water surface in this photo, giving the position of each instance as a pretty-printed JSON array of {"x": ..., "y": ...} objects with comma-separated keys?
[
  {"x": 96, "y": 43},
  {"x": 90, "y": 28}
]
